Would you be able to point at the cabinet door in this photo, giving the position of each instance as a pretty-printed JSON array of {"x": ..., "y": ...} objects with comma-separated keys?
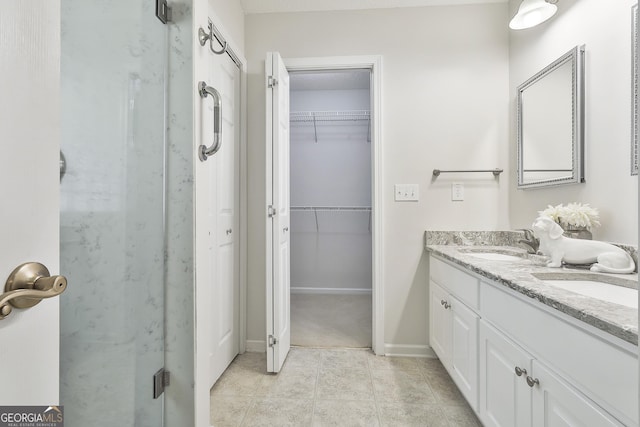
[
  {"x": 464, "y": 351},
  {"x": 556, "y": 404},
  {"x": 440, "y": 324},
  {"x": 505, "y": 397}
]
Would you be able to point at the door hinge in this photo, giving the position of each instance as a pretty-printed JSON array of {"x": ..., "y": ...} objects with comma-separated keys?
[
  {"x": 163, "y": 11},
  {"x": 271, "y": 82},
  {"x": 272, "y": 341},
  {"x": 161, "y": 380},
  {"x": 271, "y": 211}
]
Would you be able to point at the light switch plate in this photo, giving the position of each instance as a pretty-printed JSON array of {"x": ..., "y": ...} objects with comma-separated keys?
[
  {"x": 406, "y": 192},
  {"x": 457, "y": 191}
]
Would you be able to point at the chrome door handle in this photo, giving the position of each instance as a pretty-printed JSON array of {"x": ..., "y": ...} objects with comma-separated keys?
[
  {"x": 284, "y": 230},
  {"x": 229, "y": 231},
  {"x": 63, "y": 165},
  {"x": 520, "y": 371},
  {"x": 204, "y": 91},
  {"x": 27, "y": 285}
]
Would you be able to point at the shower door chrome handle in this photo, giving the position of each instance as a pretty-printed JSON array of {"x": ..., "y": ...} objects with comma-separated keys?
[
  {"x": 203, "y": 151},
  {"x": 27, "y": 285}
]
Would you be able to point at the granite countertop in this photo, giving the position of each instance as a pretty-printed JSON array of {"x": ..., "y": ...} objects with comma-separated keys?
[{"x": 518, "y": 275}]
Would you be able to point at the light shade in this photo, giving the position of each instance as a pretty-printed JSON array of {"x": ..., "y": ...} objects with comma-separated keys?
[{"x": 531, "y": 13}]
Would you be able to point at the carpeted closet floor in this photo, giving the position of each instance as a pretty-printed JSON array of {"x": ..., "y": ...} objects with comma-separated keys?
[{"x": 334, "y": 320}]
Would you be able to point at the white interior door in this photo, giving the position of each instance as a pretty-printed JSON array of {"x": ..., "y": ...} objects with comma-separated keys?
[
  {"x": 29, "y": 191},
  {"x": 225, "y": 298},
  {"x": 278, "y": 241},
  {"x": 217, "y": 199}
]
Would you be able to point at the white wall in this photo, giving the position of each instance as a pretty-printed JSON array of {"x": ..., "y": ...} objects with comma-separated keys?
[
  {"x": 335, "y": 252},
  {"x": 605, "y": 29},
  {"x": 445, "y": 84}
]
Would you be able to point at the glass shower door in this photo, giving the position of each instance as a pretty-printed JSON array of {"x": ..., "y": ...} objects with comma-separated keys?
[{"x": 112, "y": 212}]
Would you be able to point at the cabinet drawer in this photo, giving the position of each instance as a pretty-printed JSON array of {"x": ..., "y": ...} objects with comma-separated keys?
[
  {"x": 463, "y": 286},
  {"x": 574, "y": 352}
]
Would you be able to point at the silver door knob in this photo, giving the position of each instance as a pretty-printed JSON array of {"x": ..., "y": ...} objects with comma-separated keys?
[
  {"x": 27, "y": 285},
  {"x": 532, "y": 381},
  {"x": 284, "y": 230},
  {"x": 229, "y": 231}
]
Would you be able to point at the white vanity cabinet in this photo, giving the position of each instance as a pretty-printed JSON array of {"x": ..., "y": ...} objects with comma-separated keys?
[
  {"x": 519, "y": 391},
  {"x": 453, "y": 330},
  {"x": 555, "y": 403},
  {"x": 505, "y": 397},
  {"x": 521, "y": 363}
]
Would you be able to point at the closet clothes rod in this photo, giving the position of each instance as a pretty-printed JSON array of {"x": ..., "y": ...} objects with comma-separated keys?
[
  {"x": 331, "y": 208},
  {"x": 495, "y": 172},
  {"x": 315, "y": 210}
]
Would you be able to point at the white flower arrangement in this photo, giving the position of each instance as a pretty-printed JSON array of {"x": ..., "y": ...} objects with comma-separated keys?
[{"x": 573, "y": 215}]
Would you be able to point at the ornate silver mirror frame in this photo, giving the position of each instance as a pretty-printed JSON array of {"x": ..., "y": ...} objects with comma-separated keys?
[
  {"x": 634, "y": 89},
  {"x": 550, "y": 124}
]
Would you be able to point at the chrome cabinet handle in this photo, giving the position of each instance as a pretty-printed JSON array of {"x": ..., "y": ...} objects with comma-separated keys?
[
  {"x": 445, "y": 304},
  {"x": 520, "y": 372},
  {"x": 204, "y": 91},
  {"x": 229, "y": 231},
  {"x": 27, "y": 285},
  {"x": 532, "y": 381},
  {"x": 284, "y": 230}
]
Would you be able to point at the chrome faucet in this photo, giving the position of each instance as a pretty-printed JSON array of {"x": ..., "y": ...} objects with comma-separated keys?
[{"x": 530, "y": 240}]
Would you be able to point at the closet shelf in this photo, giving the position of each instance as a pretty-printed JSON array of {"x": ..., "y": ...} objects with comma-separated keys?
[
  {"x": 315, "y": 117},
  {"x": 329, "y": 116}
]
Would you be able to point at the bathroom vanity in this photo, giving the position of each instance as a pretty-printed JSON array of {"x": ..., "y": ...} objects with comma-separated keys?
[{"x": 529, "y": 345}]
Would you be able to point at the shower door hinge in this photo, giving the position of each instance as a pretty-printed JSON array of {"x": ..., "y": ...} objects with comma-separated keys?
[
  {"x": 271, "y": 82},
  {"x": 161, "y": 380},
  {"x": 271, "y": 211},
  {"x": 272, "y": 341},
  {"x": 163, "y": 11}
]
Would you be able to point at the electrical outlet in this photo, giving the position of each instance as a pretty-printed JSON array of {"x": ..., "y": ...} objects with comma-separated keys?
[
  {"x": 457, "y": 191},
  {"x": 406, "y": 192}
]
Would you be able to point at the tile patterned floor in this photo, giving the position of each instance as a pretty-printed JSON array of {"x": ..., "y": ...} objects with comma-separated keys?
[{"x": 338, "y": 387}]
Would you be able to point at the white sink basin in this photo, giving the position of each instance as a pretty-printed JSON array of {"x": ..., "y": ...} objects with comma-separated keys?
[
  {"x": 494, "y": 256},
  {"x": 599, "y": 290}
]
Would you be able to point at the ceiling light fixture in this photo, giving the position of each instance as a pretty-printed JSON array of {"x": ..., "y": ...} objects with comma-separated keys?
[{"x": 533, "y": 12}]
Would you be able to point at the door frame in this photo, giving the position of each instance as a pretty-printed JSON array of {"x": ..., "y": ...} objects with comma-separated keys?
[{"x": 373, "y": 63}]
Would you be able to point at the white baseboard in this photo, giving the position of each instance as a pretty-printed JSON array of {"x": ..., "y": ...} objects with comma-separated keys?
[
  {"x": 256, "y": 346},
  {"x": 332, "y": 291},
  {"x": 408, "y": 350}
]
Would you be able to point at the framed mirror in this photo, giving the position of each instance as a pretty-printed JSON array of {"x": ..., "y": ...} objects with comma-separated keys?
[
  {"x": 634, "y": 89},
  {"x": 550, "y": 124}
]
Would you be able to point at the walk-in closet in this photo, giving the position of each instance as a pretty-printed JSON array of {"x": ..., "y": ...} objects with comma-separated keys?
[{"x": 330, "y": 182}]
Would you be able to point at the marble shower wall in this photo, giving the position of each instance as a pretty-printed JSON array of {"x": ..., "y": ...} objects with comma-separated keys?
[
  {"x": 180, "y": 279},
  {"x": 112, "y": 207}
]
